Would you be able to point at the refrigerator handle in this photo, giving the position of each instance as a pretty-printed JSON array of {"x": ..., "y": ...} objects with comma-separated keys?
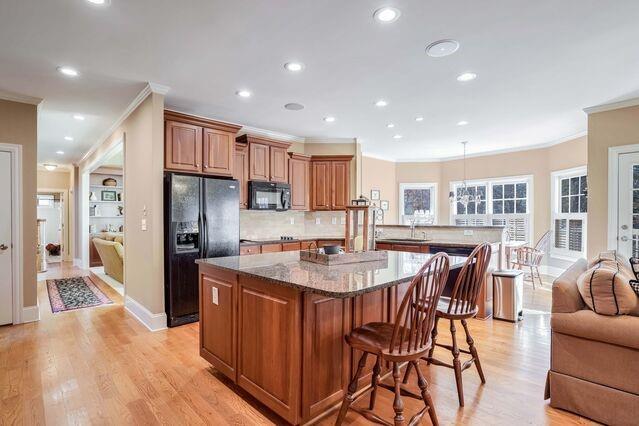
[
  {"x": 200, "y": 227},
  {"x": 205, "y": 234}
]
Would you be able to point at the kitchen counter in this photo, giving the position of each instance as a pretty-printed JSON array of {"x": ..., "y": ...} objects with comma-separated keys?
[
  {"x": 340, "y": 281},
  {"x": 247, "y": 242}
]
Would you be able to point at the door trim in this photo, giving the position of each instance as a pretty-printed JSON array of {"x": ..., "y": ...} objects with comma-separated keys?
[
  {"x": 614, "y": 152},
  {"x": 16, "y": 228}
]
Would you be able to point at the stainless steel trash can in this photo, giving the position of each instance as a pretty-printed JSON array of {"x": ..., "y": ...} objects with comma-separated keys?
[{"x": 508, "y": 295}]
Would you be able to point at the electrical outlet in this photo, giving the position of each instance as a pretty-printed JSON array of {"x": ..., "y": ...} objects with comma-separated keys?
[
  {"x": 334, "y": 221},
  {"x": 468, "y": 232},
  {"x": 342, "y": 221},
  {"x": 143, "y": 224},
  {"x": 292, "y": 221},
  {"x": 318, "y": 221},
  {"x": 214, "y": 296}
]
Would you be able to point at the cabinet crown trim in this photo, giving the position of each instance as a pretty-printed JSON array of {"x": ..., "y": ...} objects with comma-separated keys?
[
  {"x": 246, "y": 138},
  {"x": 200, "y": 121},
  {"x": 298, "y": 156},
  {"x": 332, "y": 157}
]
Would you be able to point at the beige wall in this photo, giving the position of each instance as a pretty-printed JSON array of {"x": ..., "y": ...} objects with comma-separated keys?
[
  {"x": 54, "y": 180},
  {"x": 381, "y": 174},
  {"x": 19, "y": 126},
  {"x": 605, "y": 129},
  {"x": 143, "y": 130},
  {"x": 539, "y": 163}
]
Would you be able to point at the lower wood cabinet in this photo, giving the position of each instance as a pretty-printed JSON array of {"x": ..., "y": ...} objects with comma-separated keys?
[
  {"x": 271, "y": 248},
  {"x": 412, "y": 248}
]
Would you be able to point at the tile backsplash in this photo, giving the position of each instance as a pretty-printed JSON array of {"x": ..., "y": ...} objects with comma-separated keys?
[{"x": 267, "y": 225}]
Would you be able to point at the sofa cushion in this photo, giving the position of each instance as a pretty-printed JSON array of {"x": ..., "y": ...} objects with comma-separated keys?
[
  {"x": 622, "y": 330},
  {"x": 565, "y": 294},
  {"x": 606, "y": 289},
  {"x": 119, "y": 239}
]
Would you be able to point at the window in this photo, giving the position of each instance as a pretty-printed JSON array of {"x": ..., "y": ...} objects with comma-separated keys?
[
  {"x": 569, "y": 208},
  {"x": 503, "y": 202},
  {"x": 417, "y": 202}
]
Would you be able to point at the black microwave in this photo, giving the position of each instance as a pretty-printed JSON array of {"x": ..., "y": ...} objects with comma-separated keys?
[{"x": 269, "y": 196}]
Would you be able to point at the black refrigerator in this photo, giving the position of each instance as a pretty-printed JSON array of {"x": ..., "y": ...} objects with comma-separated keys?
[{"x": 201, "y": 220}]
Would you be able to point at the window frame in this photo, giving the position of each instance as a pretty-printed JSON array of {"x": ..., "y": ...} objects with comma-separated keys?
[
  {"x": 489, "y": 215},
  {"x": 417, "y": 185},
  {"x": 555, "y": 213}
]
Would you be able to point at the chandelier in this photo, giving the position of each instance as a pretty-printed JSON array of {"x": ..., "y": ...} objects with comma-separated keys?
[{"x": 463, "y": 195}]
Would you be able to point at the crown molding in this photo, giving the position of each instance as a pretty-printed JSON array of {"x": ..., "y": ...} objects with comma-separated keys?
[
  {"x": 16, "y": 97},
  {"x": 255, "y": 131},
  {"x": 377, "y": 157},
  {"x": 159, "y": 88},
  {"x": 144, "y": 93},
  {"x": 611, "y": 106}
]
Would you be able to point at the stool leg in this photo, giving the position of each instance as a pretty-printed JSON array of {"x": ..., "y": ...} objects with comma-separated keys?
[
  {"x": 532, "y": 277},
  {"x": 398, "y": 404},
  {"x": 352, "y": 388},
  {"x": 374, "y": 381},
  {"x": 457, "y": 364},
  {"x": 473, "y": 351},
  {"x": 428, "y": 400},
  {"x": 407, "y": 373},
  {"x": 433, "y": 339}
]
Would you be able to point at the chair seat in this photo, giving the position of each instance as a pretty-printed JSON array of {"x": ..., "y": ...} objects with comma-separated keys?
[
  {"x": 375, "y": 338},
  {"x": 442, "y": 310}
]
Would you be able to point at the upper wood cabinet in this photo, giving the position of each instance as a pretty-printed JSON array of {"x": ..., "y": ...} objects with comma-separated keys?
[
  {"x": 330, "y": 182},
  {"x": 268, "y": 160},
  {"x": 198, "y": 145},
  {"x": 241, "y": 172},
  {"x": 299, "y": 176}
]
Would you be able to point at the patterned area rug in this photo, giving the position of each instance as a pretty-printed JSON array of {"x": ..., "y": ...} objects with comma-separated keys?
[{"x": 74, "y": 293}]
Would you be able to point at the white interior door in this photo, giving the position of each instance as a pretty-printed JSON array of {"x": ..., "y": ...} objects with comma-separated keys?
[
  {"x": 628, "y": 219},
  {"x": 6, "y": 271}
]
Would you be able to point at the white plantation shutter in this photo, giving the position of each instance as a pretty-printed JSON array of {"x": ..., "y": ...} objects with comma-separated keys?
[
  {"x": 575, "y": 235},
  {"x": 516, "y": 226},
  {"x": 465, "y": 220},
  {"x": 561, "y": 234},
  {"x": 569, "y": 214}
]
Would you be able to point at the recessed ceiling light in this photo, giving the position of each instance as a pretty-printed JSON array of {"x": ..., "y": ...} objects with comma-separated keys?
[
  {"x": 50, "y": 167},
  {"x": 390, "y": 125},
  {"x": 397, "y": 137},
  {"x": 462, "y": 123},
  {"x": 381, "y": 103},
  {"x": 386, "y": 15},
  {"x": 243, "y": 93},
  {"x": 68, "y": 71},
  {"x": 99, "y": 2},
  {"x": 68, "y": 138},
  {"x": 294, "y": 106},
  {"x": 59, "y": 152},
  {"x": 442, "y": 48},
  {"x": 79, "y": 117},
  {"x": 420, "y": 118},
  {"x": 467, "y": 76},
  {"x": 294, "y": 66},
  {"x": 329, "y": 119}
]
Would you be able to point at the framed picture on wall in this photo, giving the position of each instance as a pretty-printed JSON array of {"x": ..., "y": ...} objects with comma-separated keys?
[
  {"x": 109, "y": 196},
  {"x": 374, "y": 194},
  {"x": 383, "y": 205}
]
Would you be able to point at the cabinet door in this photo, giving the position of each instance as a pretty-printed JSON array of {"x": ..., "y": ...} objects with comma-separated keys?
[
  {"x": 246, "y": 250},
  {"x": 299, "y": 177},
  {"x": 241, "y": 173},
  {"x": 271, "y": 248},
  {"x": 407, "y": 247},
  {"x": 278, "y": 164},
  {"x": 219, "y": 150},
  {"x": 340, "y": 185},
  {"x": 383, "y": 246},
  {"x": 291, "y": 246},
  {"x": 321, "y": 185},
  {"x": 182, "y": 147},
  {"x": 218, "y": 342},
  {"x": 259, "y": 161}
]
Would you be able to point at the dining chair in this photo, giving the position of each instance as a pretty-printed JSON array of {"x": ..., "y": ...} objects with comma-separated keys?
[
  {"x": 405, "y": 341},
  {"x": 531, "y": 257},
  {"x": 461, "y": 306}
]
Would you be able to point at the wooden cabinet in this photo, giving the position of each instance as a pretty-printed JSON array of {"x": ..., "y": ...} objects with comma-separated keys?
[
  {"x": 241, "y": 172},
  {"x": 299, "y": 176},
  {"x": 252, "y": 249},
  {"x": 198, "y": 145},
  {"x": 413, "y": 248},
  {"x": 183, "y": 146},
  {"x": 294, "y": 246},
  {"x": 268, "y": 160},
  {"x": 330, "y": 182},
  {"x": 271, "y": 248}
]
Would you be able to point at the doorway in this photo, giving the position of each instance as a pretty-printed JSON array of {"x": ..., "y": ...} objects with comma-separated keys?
[
  {"x": 627, "y": 223},
  {"x": 52, "y": 209}
]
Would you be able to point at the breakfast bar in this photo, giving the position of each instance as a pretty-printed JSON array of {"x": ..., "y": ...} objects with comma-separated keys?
[{"x": 275, "y": 324}]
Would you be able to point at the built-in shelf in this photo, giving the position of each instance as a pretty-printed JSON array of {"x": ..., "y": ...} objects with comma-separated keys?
[{"x": 107, "y": 187}]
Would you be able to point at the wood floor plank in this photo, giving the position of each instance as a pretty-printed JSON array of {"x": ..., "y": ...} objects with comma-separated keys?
[{"x": 100, "y": 366}]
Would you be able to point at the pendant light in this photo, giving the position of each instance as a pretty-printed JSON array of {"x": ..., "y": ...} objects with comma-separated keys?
[{"x": 463, "y": 195}]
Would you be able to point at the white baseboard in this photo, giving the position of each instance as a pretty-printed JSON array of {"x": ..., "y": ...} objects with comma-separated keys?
[
  {"x": 30, "y": 313},
  {"x": 153, "y": 322}
]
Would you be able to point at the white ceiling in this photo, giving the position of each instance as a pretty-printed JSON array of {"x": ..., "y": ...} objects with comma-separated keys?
[{"x": 538, "y": 64}]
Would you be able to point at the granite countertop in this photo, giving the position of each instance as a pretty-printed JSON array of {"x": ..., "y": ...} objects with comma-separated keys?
[
  {"x": 340, "y": 281},
  {"x": 464, "y": 244},
  {"x": 244, "y": 242}
]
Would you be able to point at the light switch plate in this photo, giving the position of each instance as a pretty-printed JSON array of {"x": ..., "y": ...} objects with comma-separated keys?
[
  {"x": 214, "y": 296},
  {"x": 143, "y": 224},
  {"x": 468, "y": 232},
  {"x": 334, "y": 221},
  {"x": 292, "y": 221},
  {"x": 318, "y": 221},
  {"x": 342, "y": 221}
]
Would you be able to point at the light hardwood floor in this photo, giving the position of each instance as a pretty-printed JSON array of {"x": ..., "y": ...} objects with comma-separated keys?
[{"x": 100, "y": 366}]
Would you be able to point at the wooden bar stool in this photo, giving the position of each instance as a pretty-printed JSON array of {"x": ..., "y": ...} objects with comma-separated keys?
[
  {"x": 406, "y": 340},
  {"x": 461, "y": 306}
]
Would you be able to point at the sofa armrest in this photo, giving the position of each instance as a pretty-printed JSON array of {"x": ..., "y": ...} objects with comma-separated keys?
[{"x": 565, "y": 294}]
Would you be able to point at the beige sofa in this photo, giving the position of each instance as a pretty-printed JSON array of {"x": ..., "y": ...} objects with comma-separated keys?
[
  {"x": 594, "y": 366},
  {"x": 110, "y": 247}
]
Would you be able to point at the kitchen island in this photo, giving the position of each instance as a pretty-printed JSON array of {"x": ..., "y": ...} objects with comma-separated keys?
[{"x": 275, "y": 325}]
